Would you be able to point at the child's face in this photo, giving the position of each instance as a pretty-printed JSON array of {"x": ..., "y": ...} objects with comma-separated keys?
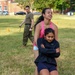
[{"x": 50, "y": 37}]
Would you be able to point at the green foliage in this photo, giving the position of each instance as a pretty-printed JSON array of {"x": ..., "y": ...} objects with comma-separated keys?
[
  {"x": 40, "y": 4},
  {"x": 23, "y": 3}
]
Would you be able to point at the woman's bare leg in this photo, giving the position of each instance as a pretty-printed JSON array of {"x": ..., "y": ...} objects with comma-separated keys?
[
  {"x": 36, "y": 72},
  {"x": 35, "y": 56},
  {"x": 35, "y": 53}
]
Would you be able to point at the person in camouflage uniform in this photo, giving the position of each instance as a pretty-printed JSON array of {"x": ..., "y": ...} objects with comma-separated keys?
[{"x": 28, "y": 26}]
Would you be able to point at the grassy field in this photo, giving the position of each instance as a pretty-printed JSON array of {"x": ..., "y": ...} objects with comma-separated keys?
[{"x": 16, "y": 60}]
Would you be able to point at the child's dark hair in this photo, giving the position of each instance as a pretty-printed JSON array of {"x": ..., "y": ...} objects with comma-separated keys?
[
  {"x": 41, "y": 18},
  {"x": 49, "y": 30}
]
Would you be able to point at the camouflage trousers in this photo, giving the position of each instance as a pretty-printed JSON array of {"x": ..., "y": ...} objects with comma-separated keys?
[{"x": 27, "y": 34}]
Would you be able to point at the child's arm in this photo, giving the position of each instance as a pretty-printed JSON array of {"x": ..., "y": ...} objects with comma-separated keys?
[
  {"x": 48, "y": 52},
  {"x": 57, "y": 54},
  {"x": 44, "y": 50}
]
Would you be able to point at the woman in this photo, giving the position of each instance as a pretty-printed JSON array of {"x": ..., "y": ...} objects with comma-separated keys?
[
  {"x": 43, "y": 22},
  {"x": 49, "y": 49}
]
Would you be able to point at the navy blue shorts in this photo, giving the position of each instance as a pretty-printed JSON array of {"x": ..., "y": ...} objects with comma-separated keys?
[{"x": 47, "y": 66}]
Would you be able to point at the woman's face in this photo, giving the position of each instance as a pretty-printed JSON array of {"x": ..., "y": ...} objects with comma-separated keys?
[
  {"x": 48, "y": 14},
  {"x": 49, "y": 37}
]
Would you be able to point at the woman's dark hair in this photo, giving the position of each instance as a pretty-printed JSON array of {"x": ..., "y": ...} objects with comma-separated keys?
[
  {"x": 49, "y": 30},
  {"x": 41, "y": 18}
]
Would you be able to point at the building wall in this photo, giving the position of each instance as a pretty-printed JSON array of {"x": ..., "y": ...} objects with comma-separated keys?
[
  {"x": 10, "y": 6},
  {"x": 3, "y": 4}
]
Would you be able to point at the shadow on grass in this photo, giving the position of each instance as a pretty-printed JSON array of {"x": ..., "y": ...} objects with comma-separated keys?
[
  {"x": 21, "y": 60},
  {"x": 15, "y": 58},
  {"x": 10, "y": 22}
]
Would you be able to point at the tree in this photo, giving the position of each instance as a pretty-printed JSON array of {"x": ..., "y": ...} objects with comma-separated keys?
[
  {"x": 40, "y": 4},
  {"x": 23, "y": 3},
  {"x": 57, "y": 4},
  {"x": 60, "y": 5},
  {"x": 72, "y": 4}
]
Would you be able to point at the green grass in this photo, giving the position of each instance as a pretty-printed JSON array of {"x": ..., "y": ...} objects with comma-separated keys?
[{"x": 16, "y": 60}]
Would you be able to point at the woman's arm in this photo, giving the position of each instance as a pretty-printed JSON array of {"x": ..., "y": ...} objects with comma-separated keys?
[
  {"x": 56, "y": 32},
  {"x": 37, "y": 33}
]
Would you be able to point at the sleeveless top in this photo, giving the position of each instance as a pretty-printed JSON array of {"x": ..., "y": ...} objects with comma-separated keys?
[{"x": 42, "y": 28}]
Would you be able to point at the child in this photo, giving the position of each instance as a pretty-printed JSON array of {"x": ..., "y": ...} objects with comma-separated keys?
[{"x": 48, "y": 51}]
